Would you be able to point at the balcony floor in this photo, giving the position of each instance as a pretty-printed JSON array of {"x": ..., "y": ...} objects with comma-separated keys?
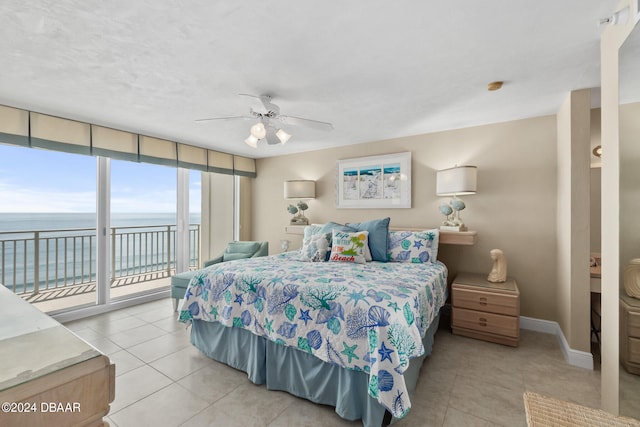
[{"x": 53, "y": 300}]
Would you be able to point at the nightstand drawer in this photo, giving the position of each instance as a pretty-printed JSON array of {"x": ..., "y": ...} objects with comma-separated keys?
[
  {"x": 633, "y": 324},
  {"x": 485, "y": 322},
  {"x": 634, "y": 350},
  {"x": 485, "y": 301}
]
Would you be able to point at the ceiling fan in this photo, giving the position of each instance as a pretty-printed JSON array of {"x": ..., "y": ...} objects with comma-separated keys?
[{"x": 265, "y": 129}]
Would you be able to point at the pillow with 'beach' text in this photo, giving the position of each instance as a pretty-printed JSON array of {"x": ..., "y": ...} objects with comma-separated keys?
[{"x": 348, "y": 246}]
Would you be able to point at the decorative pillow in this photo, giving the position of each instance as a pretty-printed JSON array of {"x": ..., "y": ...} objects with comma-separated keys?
[
  {"x": 310, "y": 230},
  {"x": 330, "y": 226},
  {"x": 348, "y": 247},
  {"x": 409, "y": 246},
  {"x": 315, "y": 247},
  {"x": 378, "y": 233},
  {"x": 233, "y": 256}
]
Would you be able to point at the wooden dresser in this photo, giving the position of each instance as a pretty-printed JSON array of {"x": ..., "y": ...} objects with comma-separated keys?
[
  {"x": 48, "y": 375},
  {"x": 485, "y": 310},
  {"x": 630, "y": 333}
]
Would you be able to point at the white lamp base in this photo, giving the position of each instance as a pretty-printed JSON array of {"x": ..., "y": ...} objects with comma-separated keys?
[
  {"x": 299, "y": 221},
  {"x": 453, "y": 228}
]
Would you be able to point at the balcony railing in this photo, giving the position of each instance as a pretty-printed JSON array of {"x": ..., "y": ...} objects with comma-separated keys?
[{"x": 35, "y": 261}]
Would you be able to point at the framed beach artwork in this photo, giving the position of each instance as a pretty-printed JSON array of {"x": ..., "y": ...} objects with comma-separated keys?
[{"x": 374, "y": 182}]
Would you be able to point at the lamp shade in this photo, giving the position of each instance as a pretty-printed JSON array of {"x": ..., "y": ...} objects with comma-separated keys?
[
  {"x": 258, "y": 130},
  {"x": 299, "y": 189},
  {"x": 283, "y": 136},
  {"x": 251, "y": 141},
  {"x": 457, "y": 180}
]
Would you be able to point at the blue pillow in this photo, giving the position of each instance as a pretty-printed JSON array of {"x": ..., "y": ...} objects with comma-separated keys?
[
  {"x": 378, "y": 232},
  {"x": 330, "y": 226}
]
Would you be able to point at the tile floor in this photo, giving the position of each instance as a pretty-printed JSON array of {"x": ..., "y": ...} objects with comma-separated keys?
[{"x": 162, "y": 380}]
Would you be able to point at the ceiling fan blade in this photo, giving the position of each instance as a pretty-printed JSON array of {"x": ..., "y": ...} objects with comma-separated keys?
[
  {"x": 225, "y": 118},
  {"x": 266, "y": 102},
  {"x": 298, "y": 121}
]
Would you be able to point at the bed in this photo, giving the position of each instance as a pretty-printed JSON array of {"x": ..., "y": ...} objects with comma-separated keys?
[{"x": 352, "y": 335}]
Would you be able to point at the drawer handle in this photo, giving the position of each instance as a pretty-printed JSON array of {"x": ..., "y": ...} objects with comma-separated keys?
[
  {"x": 483, "y": 301},
  {"x": 482, "y": 321}
]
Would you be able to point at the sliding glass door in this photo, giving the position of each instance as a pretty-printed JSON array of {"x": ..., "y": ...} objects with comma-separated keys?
[
  {"x": 76, "y": 230},
  {"x": 143, "y": 228},
  {"x": 48, "y": 227}
]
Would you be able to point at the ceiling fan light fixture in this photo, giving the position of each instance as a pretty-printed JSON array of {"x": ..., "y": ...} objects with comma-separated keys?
[
  {"x": 283, "y": 136},
  {"x": 252, "y": 141},
  {"x": 263, "y": 128},
  {"x": 258, "y": 131}
]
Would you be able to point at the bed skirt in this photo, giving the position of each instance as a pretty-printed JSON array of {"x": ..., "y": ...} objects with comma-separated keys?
[{"x": 300, "y": 373}]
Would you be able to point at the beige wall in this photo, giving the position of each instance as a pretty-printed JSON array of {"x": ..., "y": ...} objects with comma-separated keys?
[
  {"x": 245, "y": 208},
  {"x": 629, "y": 184},
  {"x": 596, "y": 187},
  {"x": 574, "y": 239},
  {"x": 217, "y": 214},
  {"x": 514, "y": 209},
  {"x": 596, "y": 205}
]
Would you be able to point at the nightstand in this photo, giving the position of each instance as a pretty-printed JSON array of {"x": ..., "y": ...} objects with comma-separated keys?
[
  {"x": 485, "y": 310},
  {"x": 630, "y": 333}
]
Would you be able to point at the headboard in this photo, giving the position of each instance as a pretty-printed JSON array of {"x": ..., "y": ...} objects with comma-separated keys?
[{"x": 446, "y": 237}]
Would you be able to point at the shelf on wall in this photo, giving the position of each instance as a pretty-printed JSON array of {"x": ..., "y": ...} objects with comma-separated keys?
[{"x": 294, "y": 229}]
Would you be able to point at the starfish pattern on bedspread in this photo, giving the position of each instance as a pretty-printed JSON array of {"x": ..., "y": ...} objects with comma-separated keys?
[{"x": 366, "y": 317}]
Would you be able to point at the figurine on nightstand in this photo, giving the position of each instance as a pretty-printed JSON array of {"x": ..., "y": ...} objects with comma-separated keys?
[
  {"x": 498, "y": 272},
  {"x": 632, "y": 278}
]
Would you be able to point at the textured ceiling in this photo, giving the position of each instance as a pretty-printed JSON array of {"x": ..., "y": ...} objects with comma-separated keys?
[{"x": 375, "y": 69}]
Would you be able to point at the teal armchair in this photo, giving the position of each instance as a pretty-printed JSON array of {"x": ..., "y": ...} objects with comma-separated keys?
[
  {"x": 235, "y": 250},
  {"x": 240, "y": 250}
]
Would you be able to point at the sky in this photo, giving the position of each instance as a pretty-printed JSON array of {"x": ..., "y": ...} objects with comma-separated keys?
[{"x": 34, "y": 180}]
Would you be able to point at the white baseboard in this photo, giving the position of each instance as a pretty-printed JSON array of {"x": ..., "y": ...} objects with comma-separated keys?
[{"x": 573, "y": 357}]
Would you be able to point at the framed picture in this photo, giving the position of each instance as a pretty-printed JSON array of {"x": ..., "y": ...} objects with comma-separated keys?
[{"x": 374, "y": 182}]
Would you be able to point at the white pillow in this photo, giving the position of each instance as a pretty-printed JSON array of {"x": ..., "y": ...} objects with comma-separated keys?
[{"x": 315, "y": 247}]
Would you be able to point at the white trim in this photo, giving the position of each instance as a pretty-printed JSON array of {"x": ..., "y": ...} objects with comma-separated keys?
[
  {"x": 182, "y": 220},
  {"x": 236, "y": 207},
  {"x": 81, "y": 313},
  {"x": 103, "y": 227},
  {"x": 539, "y": 325},
  {"x": 578, "y": 358}
]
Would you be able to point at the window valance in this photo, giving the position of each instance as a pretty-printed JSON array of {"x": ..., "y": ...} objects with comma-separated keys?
[{"x": 30, "y": 129}]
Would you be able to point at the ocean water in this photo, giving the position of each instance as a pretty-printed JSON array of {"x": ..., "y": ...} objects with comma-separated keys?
[
  {"x": 63, "y": 221},
  {"x": 67, "y": 260}
]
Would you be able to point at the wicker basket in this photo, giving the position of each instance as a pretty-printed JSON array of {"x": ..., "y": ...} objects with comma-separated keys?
[{"x": 545, "y": 411}]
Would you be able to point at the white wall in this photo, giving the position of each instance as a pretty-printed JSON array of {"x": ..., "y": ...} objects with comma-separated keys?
[{"x": 612, "y": 38}]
